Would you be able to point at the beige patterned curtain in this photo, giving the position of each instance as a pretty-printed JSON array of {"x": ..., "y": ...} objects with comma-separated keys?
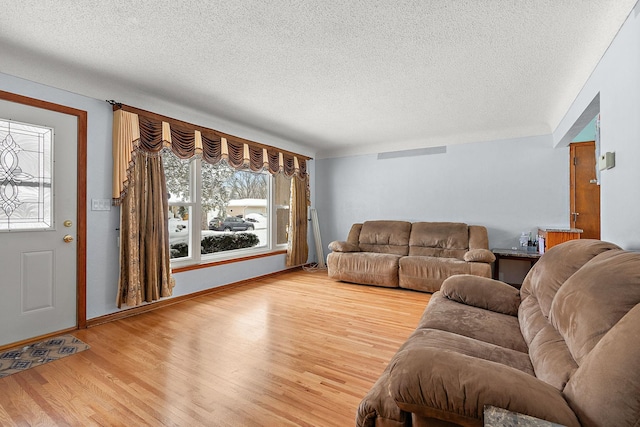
[
  {"x": 139, "y": 187},
  {"x": 145, "y": 270},
  {"x": 298, "y": 248},
  {"x": 150, "y": 133}
]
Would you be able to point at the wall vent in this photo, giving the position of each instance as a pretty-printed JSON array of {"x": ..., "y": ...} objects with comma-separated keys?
[{"x": 412, "y": 153}]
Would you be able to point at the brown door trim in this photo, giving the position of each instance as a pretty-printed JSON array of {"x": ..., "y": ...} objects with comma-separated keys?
[{"x": 81, "y": 215}]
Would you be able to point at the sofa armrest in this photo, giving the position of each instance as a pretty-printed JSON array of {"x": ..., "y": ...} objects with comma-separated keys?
[
  {"x": 338, "y": 246},
  {"x": 437, "y": 383},
  {"x": 479, "y": 255},
  {"x": 482, "y": 292}
]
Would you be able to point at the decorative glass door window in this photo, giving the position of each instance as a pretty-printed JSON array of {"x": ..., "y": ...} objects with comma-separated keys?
[{"x": 26, "y": 176}]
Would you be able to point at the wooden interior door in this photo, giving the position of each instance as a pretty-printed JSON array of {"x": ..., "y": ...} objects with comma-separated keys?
[{"x": 585, "y": 191}]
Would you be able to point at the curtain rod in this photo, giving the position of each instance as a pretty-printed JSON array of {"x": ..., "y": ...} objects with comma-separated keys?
[{"x": 183, "y": 124}]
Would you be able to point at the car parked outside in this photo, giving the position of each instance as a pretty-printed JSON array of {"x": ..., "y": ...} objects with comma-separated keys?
[
  {"x": 230, "y": 223},
  {"x": 258, "y": 220}
]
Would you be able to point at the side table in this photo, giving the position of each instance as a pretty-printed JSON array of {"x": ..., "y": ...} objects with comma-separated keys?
[{"x": 512, "y": 254}]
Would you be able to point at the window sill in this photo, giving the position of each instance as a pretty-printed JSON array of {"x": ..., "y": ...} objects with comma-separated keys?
[{"x": 213, "y": 263}]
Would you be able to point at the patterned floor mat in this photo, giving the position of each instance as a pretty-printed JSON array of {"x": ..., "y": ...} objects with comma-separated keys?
[{"x": 28, "y": 356}]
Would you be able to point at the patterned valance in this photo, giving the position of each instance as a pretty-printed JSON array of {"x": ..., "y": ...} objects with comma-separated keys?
[{"x": 151, "y": 133}]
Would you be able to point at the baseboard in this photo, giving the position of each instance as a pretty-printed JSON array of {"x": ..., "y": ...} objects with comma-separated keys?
[
  {"x": 32, "y": 340},
  {"x": 170, "y": 301}
]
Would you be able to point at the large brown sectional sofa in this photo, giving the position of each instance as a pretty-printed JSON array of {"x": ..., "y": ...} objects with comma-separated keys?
[
  {"x": 416, "y": 256},
  {"x": 564, "y": 348}
]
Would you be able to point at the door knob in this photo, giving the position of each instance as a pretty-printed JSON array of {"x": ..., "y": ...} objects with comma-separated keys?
[
  {"x": 68, "y": 238},
  {"x": 575, "y": 216}
]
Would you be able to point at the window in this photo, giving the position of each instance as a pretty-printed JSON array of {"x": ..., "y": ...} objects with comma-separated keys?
[
  {"x": 231, "y": 213},
  {"x": 26, "y": 176}
]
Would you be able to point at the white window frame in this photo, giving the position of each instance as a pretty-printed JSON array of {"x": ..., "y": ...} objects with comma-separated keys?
[{"x": 195, "y": 217}]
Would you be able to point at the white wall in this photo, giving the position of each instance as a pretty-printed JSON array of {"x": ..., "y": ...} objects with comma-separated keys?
[
  {"x": 102, "y": 250},
  {"x": 508, "y": 186},
  {"x": 617, "y": 81}
]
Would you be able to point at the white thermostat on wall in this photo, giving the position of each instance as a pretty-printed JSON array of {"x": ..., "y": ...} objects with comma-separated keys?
[{"x": 607, "y": 161}]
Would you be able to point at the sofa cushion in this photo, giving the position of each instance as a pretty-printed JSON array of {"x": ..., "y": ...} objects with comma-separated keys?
[
  {"x": 479, "y": 255},
  {"x": 482, "y": 292},
  {"x": 366, "y": 268},
  {"x": 471, "y": 347},
  {"x": 432, "y": 382},
  {"x": 473, "y": 322},
  {"x": 531, "y": 319},
  {"x": 338, "y": 246},
  {"x": 389, "y": 237},
  {"x": 551, "y": 358},
  {"x": 558, "y": 264},
  {"x": 595, "y": 298},
  {"x": 605, "y": 390},
  {"x": 478, "y": 237},
  {"x": 549, "y": 354},
  {"x": 378, "y": 409},
  {"x": 354, "y": 234},
  {"x": 425, "y": 273},
  {"x": 439, "y": 239}
]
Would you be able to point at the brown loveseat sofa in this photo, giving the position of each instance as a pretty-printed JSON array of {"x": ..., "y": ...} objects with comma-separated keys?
[
  {"x": 565, "y": 348},
  {"x": 416, "y": 256}
]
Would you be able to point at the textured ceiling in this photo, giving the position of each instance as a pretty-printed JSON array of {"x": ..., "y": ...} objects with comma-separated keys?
[{"x": 339, "y": 77}]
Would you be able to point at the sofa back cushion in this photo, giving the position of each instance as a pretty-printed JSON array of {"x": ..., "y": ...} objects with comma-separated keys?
[
  {"x": 556, "y": 266},
  {"x": 389, "y": 237},
  {"x": 594, "y": 299},
  {"x": 605, "y": 390},
  {"x": 354, "y": 234},
  {"x": 550, "y": 356},
  {"x": 478, "y": 237},
  {"x": 439, "y": 239}
]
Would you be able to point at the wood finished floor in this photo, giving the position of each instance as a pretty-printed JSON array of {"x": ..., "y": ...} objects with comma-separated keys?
[{"x": 296, "y": 349}]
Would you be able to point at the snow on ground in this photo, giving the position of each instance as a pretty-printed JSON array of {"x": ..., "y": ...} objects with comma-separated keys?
[{"x": 179, "y": 232}]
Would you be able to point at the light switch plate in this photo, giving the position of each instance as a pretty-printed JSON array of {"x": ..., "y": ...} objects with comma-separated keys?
[
  {"x": 100, "y": 204},
  {"x": 607, "y": 161}
]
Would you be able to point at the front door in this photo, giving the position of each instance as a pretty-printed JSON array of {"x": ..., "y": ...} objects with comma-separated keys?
[
  {"x": 38, "y": 224},
  {"x": 585, "y": 191}
]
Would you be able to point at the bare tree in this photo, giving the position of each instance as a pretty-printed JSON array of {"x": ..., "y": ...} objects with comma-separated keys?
[
  {"x": 249, "y": 185},
  {"x": 215, "y": 189}
]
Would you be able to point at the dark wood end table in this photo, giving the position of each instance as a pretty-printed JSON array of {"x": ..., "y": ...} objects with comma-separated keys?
[{"x": 513, "y": 254}]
